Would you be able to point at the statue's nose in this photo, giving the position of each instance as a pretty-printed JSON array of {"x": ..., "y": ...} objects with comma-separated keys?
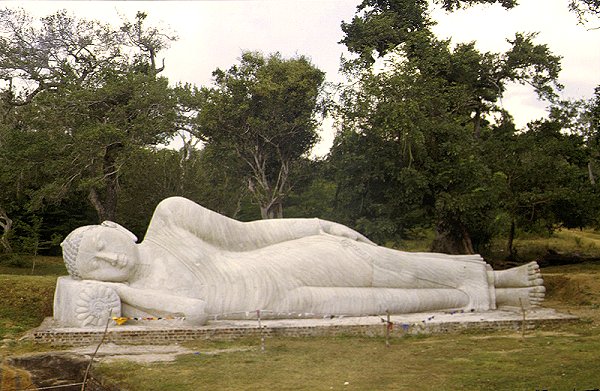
[{"x": 114, "y": 259}]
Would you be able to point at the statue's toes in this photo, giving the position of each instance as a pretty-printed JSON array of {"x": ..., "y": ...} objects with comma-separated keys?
[
  {"x": 536, "y": 281},
  {"x": 538, "y": 289}
]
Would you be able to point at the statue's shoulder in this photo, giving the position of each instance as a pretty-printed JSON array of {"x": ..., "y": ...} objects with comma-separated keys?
[
  {"x": 171, "y": 209},
  {"x": 175, "y": 202},
  {"x": 176, "y": 205},
  {"x": 180, "y": 209}
]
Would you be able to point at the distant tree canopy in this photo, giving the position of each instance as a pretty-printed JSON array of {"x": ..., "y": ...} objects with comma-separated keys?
[
  {"x": 584, "y": 9},
  {"x": 78, "y": 98},
  {"x": 417, "y": 131},
  {"x": 423, "y": 142},
  {"x": 263, "y": 109}
]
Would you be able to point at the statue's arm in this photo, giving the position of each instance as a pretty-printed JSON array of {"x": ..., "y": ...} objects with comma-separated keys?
[
  {"x": 178, "y": 213},
  {"x": 227, "y": 233},
  {"x": 278, "y": 230},
  {"x": 152, "y": 302}
]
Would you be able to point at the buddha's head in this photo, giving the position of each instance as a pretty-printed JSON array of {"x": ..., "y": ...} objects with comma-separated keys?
[{"x": 105, "y": 252}]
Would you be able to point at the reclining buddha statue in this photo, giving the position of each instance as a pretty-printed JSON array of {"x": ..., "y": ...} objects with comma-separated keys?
[{"x": 196, "y": 264}]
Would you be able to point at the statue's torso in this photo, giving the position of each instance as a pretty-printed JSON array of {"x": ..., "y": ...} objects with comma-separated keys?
[{"x": 238, "y": 281}]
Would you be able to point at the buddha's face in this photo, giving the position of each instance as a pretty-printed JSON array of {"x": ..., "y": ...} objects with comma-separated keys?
[{"x": 107, "y": 254}]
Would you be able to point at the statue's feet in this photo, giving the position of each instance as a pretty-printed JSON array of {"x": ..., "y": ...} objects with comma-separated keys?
[
  {"x": 527, "y": 275},
  {"x": 528, "y": 297}
]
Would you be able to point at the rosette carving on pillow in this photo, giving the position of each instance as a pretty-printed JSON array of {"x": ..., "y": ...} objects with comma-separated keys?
[{"x": 95, "y": 304}]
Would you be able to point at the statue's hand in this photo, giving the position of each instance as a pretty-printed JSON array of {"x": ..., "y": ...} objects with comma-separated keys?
[{"x": 343, "y": 231}]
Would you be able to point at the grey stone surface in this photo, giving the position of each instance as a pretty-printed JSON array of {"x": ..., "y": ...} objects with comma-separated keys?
[{"x": 151, "y": 332}]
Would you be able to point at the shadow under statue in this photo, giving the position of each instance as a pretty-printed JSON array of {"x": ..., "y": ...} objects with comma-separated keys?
[{"x": 196, "y": 264}]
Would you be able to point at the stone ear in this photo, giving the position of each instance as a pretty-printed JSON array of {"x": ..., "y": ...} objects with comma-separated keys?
[{"x": 119, "y": 227}]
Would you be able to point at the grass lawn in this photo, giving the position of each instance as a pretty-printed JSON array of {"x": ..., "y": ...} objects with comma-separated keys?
[
  {"x": 24, "y": 302},
  {"x": 565, "y": 357},
  {"x": 585, "y": 243},
  {"x": 557, "y": 359}
]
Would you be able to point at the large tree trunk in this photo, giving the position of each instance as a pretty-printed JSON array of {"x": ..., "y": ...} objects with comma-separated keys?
[
  {"x": 268, "y": 194},
  {"x": 452, "y": 241},
  {"x": 511, "y": 238},
  {"x": 477, "y": 123},
  {"x": 6, "y": 225},
  {"x": 273, "y": 210},
  {"x": 106, "y": 205}
]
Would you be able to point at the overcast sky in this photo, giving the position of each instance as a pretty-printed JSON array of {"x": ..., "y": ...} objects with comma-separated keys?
[{"x": 214, "y": 33}]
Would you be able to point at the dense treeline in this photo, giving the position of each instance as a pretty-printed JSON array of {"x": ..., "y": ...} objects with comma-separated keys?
[{"x": 422, "y": 142}]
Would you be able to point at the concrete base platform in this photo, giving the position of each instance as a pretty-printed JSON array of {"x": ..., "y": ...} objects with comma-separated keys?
[{"x": 171, "y": 331}]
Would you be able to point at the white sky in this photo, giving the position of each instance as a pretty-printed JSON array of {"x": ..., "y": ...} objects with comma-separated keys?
[{"x": 213, "y": 34}]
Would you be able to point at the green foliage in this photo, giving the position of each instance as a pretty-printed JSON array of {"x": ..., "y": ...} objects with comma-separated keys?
[
  {"x": 83, "y": 112},
  {"x": 451, "y": 5},
  {"x": 27, "y": 236},
  {"x": 105, "y": 125},
  {"x": 375, "y": 194},
  {"x": 313, "y": 193},
  {"x": 527, "y": 63},
  {"x": 380, "y": 26},
  {"x": 589, "y": 120},
  {"x": 544, "y": 172},
  {"x": 147, "y": 177},
  {"x": 264, "y": 110},
  {"x": 80, "y": 98},
  {"x": 204, "y": 176},
  {"x": 220, "y": 185},
  {"x": 425, "y": 109},
  {"x": 406, "y": 150}
]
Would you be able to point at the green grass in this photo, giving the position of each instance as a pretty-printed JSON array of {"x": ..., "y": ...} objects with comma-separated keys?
[
  {"x": 26, "y": 292},
  {"x": 544, "y": 360},
  {"x": 528, "y": 247},
  {"x": 28, "y": 265},
  {"x": 24, "y": 302}
]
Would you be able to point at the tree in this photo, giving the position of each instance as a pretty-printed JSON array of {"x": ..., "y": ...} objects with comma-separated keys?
[
  {"x": 542, "y": 174},
  {"x": 34, "y": 59},
  {"x": 590, "y": 122},
  {"x": 374, "y": 191},
  {"x": 40, "y": 56},
  {"x": 585, "y": 8},
  {"x": 451, "y": 5},
  {"x": 203, "y": 175},
  {"x": 381, "y": 25},
  {"x": 265, "y": 110},
  {"x": 27, "y": 160},
  {"x": 91, "y": 91},
  {"x": 433, "y": 101}
]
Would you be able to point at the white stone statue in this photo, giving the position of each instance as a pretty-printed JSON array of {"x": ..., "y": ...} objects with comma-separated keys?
[{"x": 197, "y": 264}]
